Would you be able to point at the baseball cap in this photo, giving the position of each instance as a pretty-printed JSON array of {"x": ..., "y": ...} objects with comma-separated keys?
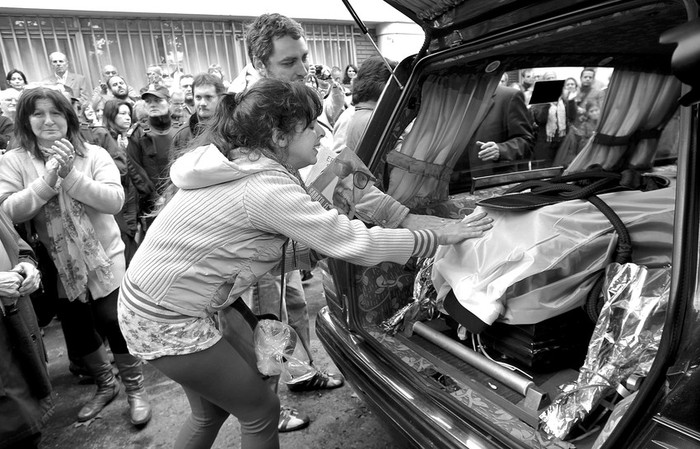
[{"x": 160, "y": 92}]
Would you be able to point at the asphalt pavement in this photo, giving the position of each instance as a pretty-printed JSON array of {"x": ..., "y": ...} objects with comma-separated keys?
[{"x": 339, "y": 419}]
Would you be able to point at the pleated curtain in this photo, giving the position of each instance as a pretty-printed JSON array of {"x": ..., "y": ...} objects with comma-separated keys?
[
  {"x": 452, "y": 106},
  {"x": 636, "y": 108}
]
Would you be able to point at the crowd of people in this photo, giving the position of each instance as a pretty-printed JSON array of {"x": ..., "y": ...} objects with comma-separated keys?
[
  {"x": 121, "y": 193},
  {"x": 165, "y": 213},
  {"x": 561, "y": 126}
]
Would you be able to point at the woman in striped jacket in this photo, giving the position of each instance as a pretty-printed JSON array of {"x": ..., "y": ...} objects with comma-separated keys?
[{"x": 239, "y": 199}]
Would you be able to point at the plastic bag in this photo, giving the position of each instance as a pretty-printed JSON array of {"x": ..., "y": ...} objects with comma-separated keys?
[
  {"x": 280, "y": 353},
  {"x": 624, "y": 342},
  {"x": 534, "y": 265},
  {"x": 424, "y": 305}
]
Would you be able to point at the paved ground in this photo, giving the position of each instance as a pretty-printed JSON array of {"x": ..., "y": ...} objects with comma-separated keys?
[{"x": 339, "y": 419}]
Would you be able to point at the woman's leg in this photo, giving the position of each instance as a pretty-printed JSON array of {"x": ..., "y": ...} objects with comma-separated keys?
[
  {"x": 202, "y": 426},
  {"x": 222, "y": 377},
  {"x": 104, "y": 311},
  {"x": 130, "y": 368},
  {"x": 78, "y": 327}
]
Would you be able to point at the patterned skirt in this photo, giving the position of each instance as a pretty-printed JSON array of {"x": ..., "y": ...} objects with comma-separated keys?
[{"x": 152, "y": 331}]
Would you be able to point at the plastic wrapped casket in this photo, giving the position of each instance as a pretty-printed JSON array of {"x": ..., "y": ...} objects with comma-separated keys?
[{"x": 537, "y": 264}]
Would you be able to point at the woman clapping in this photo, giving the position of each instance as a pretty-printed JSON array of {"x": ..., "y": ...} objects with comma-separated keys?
[{"x": 71, "y": 190}]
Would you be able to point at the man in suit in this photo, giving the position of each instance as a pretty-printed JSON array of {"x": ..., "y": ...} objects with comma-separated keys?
[
  {"x": 61, "y": 75},
  {"x": 503, "y": 136}
]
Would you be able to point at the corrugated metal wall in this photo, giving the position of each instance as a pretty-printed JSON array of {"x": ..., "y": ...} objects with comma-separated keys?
[{"x": 133, "y": 44}]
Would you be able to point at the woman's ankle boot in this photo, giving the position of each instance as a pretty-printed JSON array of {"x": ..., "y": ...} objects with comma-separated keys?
[
  {"x": 131, "y": 372},
  {"x": 107, "y": 386}
]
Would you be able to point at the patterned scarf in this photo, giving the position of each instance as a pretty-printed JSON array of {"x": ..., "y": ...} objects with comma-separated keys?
[{"x": 74, "y": 247}]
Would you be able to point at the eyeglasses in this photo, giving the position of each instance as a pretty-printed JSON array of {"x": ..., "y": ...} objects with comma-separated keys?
[{"x": 360, "y": 179}]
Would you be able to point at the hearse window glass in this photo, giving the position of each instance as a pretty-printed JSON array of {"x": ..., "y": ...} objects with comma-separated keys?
[
  {"x": 552, "y": 119},
  {"x": 451, "y": 106}
]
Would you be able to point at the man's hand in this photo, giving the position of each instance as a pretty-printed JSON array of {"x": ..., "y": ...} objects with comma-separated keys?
[{"x": 488, "y": 151}]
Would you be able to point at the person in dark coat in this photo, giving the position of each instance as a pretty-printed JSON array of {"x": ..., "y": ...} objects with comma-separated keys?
[
  {"x": 6, "y": 130},
  {"x": 25, "y": 389},
  {"x": 504, "y": 136},
  {"x": 148, "y": 151},
  {"x": 113, "y": 137}
]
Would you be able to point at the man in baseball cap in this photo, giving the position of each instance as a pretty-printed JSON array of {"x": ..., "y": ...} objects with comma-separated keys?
[
  {"x": 149, "y": 149},
  {"x": 157, "y": 91}
]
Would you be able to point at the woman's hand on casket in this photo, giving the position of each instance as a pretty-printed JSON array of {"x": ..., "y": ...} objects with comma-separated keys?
[
  {"x": 472, "y": 226},
  {"x": 417, "y": 222}
]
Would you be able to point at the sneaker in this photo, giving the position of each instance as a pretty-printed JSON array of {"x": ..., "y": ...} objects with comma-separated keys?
[
  {"x": 291, "y": 420},
  {"x": 320, "y": 381}
]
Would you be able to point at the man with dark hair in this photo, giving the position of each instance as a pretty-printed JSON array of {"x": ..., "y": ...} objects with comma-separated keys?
[
  {"x": 367, "y": 88},
  {"x": 207, "y": 92},
  {"x": 108, "y": 88},
  {"x": 588, "y": 92},
  {"x": 119, "y": 89},
  {"x": 187, "y": 88},
  {"x": 527, "y": 82},
  {"x": 268, "y": 37}
]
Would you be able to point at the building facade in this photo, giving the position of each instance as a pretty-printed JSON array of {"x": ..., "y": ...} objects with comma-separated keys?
[{"x": 182, "y": 43}]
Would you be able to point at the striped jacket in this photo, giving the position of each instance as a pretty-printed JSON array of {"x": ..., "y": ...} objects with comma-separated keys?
[{"x": 226, "y": 227}]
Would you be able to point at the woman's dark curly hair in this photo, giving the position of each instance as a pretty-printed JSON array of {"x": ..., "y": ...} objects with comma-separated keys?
[{"x": 246, "y": 122}]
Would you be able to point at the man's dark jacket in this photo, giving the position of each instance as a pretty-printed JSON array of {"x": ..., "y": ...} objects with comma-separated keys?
[{"x": 507, "y": 122}]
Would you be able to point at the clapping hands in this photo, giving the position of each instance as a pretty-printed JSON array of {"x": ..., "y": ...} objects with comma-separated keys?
[{"x": 61, "y": 162}]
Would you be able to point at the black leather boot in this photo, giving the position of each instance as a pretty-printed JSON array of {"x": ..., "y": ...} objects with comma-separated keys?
[
  {"x": 131, "y": 373},
  {"x": 107, "y": 386}
]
